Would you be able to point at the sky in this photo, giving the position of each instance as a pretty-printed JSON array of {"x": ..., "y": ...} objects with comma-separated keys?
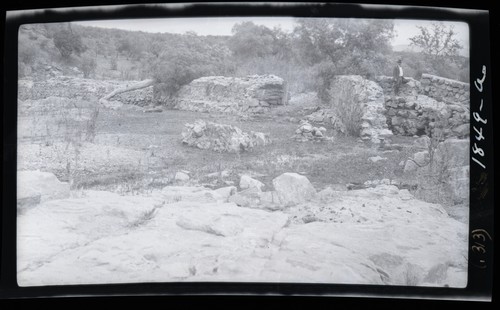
[{"x": 222, "y": 26}]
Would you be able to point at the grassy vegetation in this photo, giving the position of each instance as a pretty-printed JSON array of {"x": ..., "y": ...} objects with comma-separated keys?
[{"x": 157, "y": 136}]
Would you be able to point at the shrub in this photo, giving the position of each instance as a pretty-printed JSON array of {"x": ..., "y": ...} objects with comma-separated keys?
[
  {"x": 113, "y": 64},
  {"x": 68, "y": 43},
  {"x": 433, "y": 180},
  {"x": 90, "y": 126},
  {"x": 88, "y": 66},
  {"x": 324, "y": 74},
  {"x": 347, "y": 105},
  {"x": 177, "y": 68}
]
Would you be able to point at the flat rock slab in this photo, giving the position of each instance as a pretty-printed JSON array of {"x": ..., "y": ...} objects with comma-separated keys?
[
  {"x": 102, "y": 237},
  {"x": 38, "y": 186}
]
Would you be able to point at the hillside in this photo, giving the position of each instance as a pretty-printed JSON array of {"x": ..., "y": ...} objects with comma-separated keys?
[
  {"x": 112, "y": 54},
  {"x": 117, "y": 54}
]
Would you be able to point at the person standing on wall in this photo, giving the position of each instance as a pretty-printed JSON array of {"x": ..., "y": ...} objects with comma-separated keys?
[{"x": 398, "y": 76}]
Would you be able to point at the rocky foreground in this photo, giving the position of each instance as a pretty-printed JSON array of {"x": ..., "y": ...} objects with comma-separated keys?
[{"x": 378, "y": 235}]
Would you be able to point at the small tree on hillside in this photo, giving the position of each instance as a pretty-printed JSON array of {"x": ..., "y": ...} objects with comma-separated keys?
[
  {"x": 437, "y": 41},
  {"x": 87, "y": 65},
  {"x": 170, "y": 66},
  {"x": 250, "y": 40},
  {"x": 342, "y": 46},
  {"x": 68, "y": 43}
]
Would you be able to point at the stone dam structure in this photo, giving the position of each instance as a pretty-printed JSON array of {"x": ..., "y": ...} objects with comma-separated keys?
[
  {"x": 251, "y": 94},
  {"x": 414, "y": 111},
  {"x": 422, "y": 105}
]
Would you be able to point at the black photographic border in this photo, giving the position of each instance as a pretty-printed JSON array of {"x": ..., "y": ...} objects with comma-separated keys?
[{"x": 480, "y": 268}]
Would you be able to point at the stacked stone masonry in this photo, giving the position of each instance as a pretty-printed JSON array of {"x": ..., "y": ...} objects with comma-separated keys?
[
  {"x": 251, "y": 94},
  {"x": 411, "y": 112},
  {"x": 446, "y": 90},
  {"x": 417, "y": 116},
  {"x": 347, "y": 92},
  {"x": 422, "y": 105},
  {"x": 84, "y": 89}
]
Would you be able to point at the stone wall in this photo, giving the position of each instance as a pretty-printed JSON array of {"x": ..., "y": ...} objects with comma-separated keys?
[
  {"x": 65, "y": 87},
  {"x": 446, "y": 90},
  {"x": 251, "y": 94},
  {"x": 80, "y": 88},
  {"x": 386, "y": 82},
  {"x": 419, "y": 104},
  {"x": 436, "y": 87},
  {"x": 140, "y": 97},
  {"x": 416, "y": 115}
]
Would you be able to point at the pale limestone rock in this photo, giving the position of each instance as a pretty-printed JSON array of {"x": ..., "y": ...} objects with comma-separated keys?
[
  {"x": 248, "y": 182},
  {"x": 37, "y": 186},
  {"x": 293, "y": 188}
]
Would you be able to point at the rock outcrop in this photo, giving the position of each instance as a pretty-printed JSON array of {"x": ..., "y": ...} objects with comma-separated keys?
[
  {"x": 221, "y": 137},
  {"x": 293, "y": 188},
  {"x": 34, "y": 187},
  {"x": 289, "y": 190},
  {"x": 247, "y": 182},
  {"x": 178, "y": 235}
]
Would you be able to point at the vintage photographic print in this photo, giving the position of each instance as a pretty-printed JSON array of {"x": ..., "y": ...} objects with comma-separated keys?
[{"x": 243, "y": 149}]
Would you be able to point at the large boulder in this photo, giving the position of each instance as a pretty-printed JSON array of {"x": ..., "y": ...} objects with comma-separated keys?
[
  {"x": 221, "y": 137},
  {"x": 421, "y": 158},
  {"x": 248, "y": 198},
  {"x": 293, "y": 188},
  {"x": 248, "y": 182},
  {"x": 34, "y": 187},
  {"x": 181, "y": 176},
  {"x": 423, "y": 142}
]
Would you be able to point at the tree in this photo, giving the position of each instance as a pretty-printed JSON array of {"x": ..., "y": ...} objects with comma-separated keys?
[
  {"x": 68, "y": 43},
  {"x": 342, "y": 46},
  {"x": 346, "y": 43},
  {"x": 250, "y": 40},
  {"x": 87, "y": 65},
  {"x": 172, "y": 61},
  {"x": 437, "y": 41},
  {"x": 124, "y": 46}
]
